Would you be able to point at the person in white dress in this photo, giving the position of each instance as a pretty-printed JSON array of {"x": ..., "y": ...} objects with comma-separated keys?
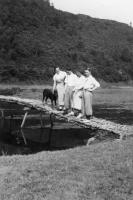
[
  {"x": 77, "y": 92},
  {"x": 59, "y": 85}
]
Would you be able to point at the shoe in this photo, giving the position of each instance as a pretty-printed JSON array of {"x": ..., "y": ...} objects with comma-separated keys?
[
  {"x": 89, "y": 117},
  {"x": 65, "y": 112},
  {"x": 76, "y": 113},
  {"x": 70, "y": 114},
  {"x": 59, "y": 108},
  {"x": 79, "y": 116}
]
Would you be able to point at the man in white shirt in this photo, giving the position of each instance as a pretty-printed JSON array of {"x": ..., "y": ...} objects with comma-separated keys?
[
  {"x": 89, "y": 85},
  {"x": 59, "y": 85},
  {"x": 69, "y": 86}
]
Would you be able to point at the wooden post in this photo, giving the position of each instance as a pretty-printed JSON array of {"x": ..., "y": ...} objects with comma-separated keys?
[
  {"x": 41, "y": 120},
  {"x": 24, "y": 119},
  {"x": 51, "y": 120},
  {"x": 22, "y": 125},
  {"x": 122, "y": 135},
  {"x": 24, "y": 138},
  {"x": 51, "y": 129},
  {"x": 2, "y": 114},
  {"x": 11, "y": 122}
]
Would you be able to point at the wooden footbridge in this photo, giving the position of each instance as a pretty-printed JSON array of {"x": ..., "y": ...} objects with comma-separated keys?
[{"x": 94, "y": 123}]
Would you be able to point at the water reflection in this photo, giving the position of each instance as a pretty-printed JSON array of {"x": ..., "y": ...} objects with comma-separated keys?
[{"x": 32, "y": 138}]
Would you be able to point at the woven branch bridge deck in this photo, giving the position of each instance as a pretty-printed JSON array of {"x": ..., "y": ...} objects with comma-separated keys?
[{"x": 94, "y": 123}]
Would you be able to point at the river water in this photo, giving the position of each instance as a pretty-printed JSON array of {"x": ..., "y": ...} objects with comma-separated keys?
[{"x": 33, "y": 138}]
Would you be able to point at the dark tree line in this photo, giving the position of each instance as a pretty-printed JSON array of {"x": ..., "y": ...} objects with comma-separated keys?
[{"x": 35, "y": 38}]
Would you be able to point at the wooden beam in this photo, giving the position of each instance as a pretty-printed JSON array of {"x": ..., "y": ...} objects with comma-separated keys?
[
  {"x": 24, "y": 138},
  {"x": 24, "y": 119}
]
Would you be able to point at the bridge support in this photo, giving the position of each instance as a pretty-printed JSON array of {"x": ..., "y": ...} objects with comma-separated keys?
[
  {"x": 24, "y": 119},
  {"x": 51, "y": 120},
  {"x": 51, "y": 129},
  {"x": 21, "y": 127},
  {"x": 2, "y": 114},
  {"x": 11, "y": 122},
  {"x": 41, "y": 120},
  {"x": 24, "y": 138},
  {"x": 122, "y": 136}
]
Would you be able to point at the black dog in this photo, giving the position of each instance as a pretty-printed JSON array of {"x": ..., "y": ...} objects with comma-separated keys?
[{"x": 48, "y": 94}]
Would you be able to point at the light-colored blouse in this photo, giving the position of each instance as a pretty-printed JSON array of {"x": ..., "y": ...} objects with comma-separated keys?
[
  {"x": 60, "y": 78},
  {"x": 79, "y": 83},
  {"x": 70, "y": 80},
  {"x": 90, "y": 83}
]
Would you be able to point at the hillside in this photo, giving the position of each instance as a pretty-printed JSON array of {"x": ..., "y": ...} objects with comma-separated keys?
[{"x": 35, "y": 38}]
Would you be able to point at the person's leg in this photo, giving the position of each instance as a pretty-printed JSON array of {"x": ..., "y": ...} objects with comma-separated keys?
[
  {"x": 83, "y": 104},
  {"x": 71, "y": 98},
  {"x": 79, "y": 99},
  {"x": 88, "y": 103},
  {"x": 77, "y": 112},
  {"x": 71, "y": 101},
  {"x": 61, "y": 92},
  {"x": 67, "y": 100}
]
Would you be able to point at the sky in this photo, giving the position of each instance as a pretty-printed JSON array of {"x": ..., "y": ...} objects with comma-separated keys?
[{"x": 118, "y": 10}]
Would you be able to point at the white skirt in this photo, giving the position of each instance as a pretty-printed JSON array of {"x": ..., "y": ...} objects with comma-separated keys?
[{"x": 77, "y": 100}]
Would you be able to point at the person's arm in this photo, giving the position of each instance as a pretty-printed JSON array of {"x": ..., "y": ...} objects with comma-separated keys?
[
  {"x": 54, "y": 85},
  {"x": 66, "y": 81},
  {"x": 65, "y": 76},
  {"x": 95, "y": 84}
]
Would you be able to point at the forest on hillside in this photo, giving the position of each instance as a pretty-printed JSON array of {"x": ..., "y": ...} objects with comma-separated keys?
[{"x": 35, "y": 38}]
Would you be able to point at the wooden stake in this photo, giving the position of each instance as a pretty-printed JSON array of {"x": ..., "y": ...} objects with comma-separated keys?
[
  {"x": 51, "y": 120},
  {"x": 2, "y": 114},
  {"x": 24, "y": 119},
  {"x": 24, "y": 138},
  {"x": 51, "y": 130},
  {"x": 41, "y": 120}
]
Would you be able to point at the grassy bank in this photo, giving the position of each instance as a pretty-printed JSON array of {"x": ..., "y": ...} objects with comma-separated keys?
[{"x": 98, "y": 172}]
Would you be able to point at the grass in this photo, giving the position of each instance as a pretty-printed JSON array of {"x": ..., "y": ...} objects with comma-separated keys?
[
  {"x": 107, "y": 95},
  {"x": 102, "y": 171},
  {"x": 116, "y": 96},
  {"x": 111, "y": 95},
  {"x": 97, "y": 172}
]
